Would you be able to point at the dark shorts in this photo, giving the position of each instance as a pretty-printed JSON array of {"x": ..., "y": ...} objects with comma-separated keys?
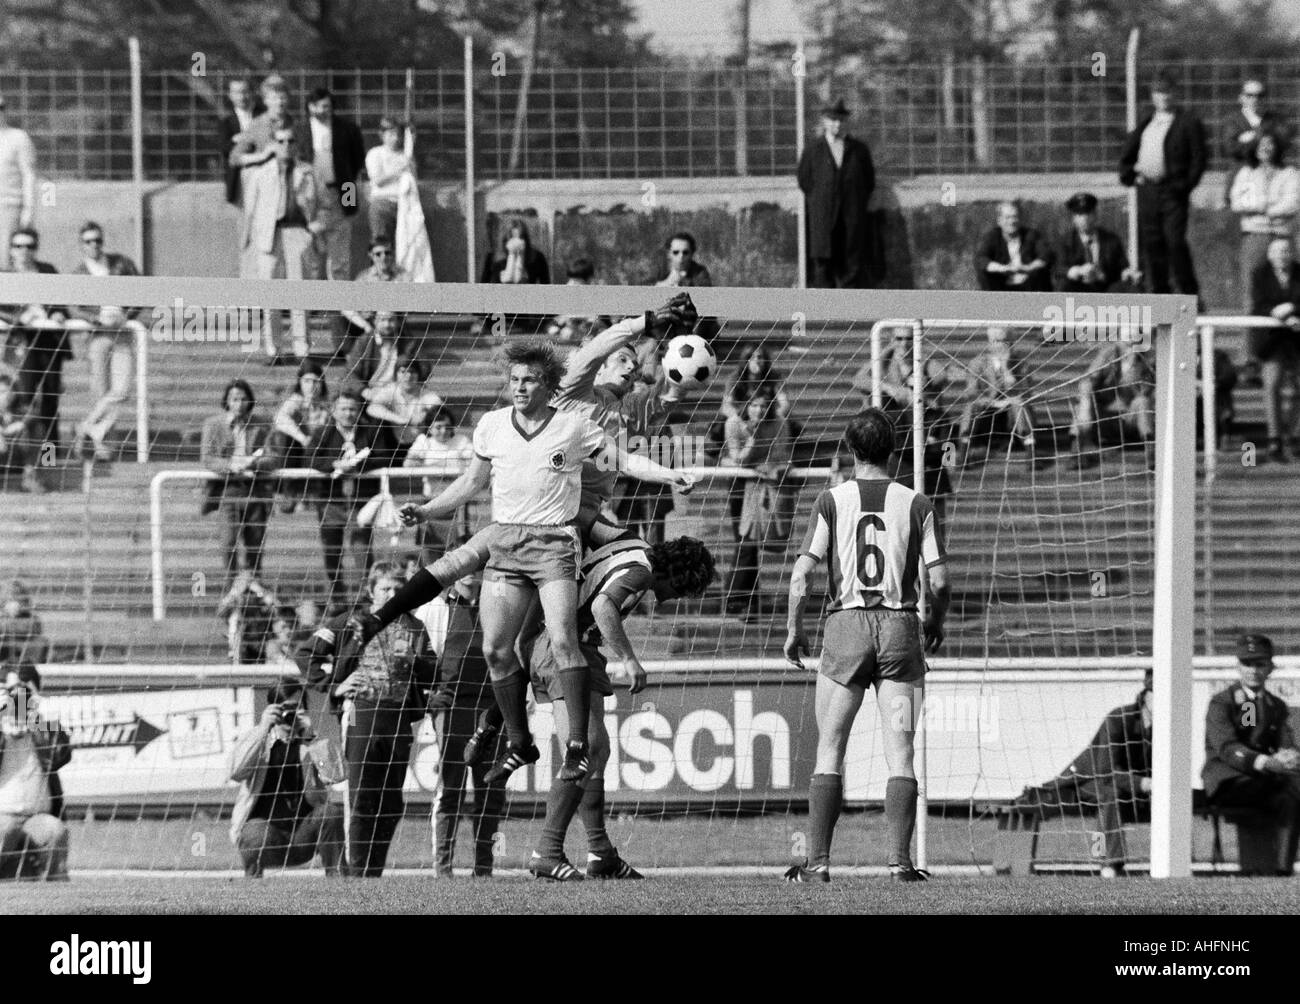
[
  {"x": 533, "y": 554},
  {"x": 864, "y": 646},
  {"x": 545, "y": 673}
]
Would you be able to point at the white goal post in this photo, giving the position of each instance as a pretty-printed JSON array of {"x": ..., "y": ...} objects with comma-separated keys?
[{"x": 800, "y": 315}]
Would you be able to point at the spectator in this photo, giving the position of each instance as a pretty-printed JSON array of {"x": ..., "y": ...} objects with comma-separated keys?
[
  {"x": 283, "y": 227},
  {"x": 23, "y": 245},
  {"x": 1275, "y": 292},
  {"x": 304, "y": 410},
  {"x": 381, "y": 689},
  {"x": 22, "y": 636},
  {"x": 517, "y": 261},
  {"x": 111, "y": 348},
  {"x": 282, "y": 644},
  {"x": 1116, "y": 402},
  {"x": 1251, "y": 758},
  {"x": 17, "y": 179},
  {"x": 755, "y": 373},
  {"x": 404, "y": 403},
  {"x": 1266, "y": 195},
  {"x": 232, "y": 128},
  {"x": 338, "y": 154},
  {"x": 838, "y": 177},
  {"x": 760, "y": 439},
  {"x": 1013, "y": 258},
  {"x": 33, "y": 749},
  {"x": 1251, "y": 122},
  {"x": 463, "y": 693},
  {"x": 383, "y": 267},
  {"x": 1091, "y": 259},
  {"x": 683, "y": 269},
  {"x": 1111, "y": 777},
  {"x": 385, "y": 166},
  {"x": 248, "y": 608},
  {"x": 254, "y": 147},
  {"x": 1165, "y": 158},
  {"x": 235, "y": 446},
  {"x": 995, "y": 390},
  {"x": 19, "y": 450},
  {"x": 38, "y": 380},
  {"x": 440, "y": 446},
  {"x": 283, "y": 816},
  {"x": 343, "y": 449}
]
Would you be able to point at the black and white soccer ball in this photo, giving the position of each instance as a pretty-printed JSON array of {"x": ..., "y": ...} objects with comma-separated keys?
[{"x": 689, "y": 363}]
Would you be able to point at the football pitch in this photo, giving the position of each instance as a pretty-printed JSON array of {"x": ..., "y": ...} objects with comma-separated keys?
[{"x": 512, "y": 893}]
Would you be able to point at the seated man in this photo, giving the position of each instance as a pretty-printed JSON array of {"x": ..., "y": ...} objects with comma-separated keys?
[
  {"x": 994, "y": 389},
  {"x": 283, "y": 815},
  {"x": 682, "y": 268},
  {"x": 1013, "y": 258},
  {"x": 1090, "y": 259},
  {"x": 33, "y": 839},
  {"x": 1275, "y": 292},
  {"x": 1116, "y": 402},
  {"x": 1111, "y": 777},
  {"x": 1251, "y": 757}
]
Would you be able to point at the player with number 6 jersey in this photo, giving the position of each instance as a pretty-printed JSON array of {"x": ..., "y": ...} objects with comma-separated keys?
[{"x": 876, "y": 536}]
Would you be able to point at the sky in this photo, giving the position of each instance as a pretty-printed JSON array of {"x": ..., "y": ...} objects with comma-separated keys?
[{"x": 712, "y": 23}]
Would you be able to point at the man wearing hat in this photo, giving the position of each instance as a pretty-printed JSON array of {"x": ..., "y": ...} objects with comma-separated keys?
[
  {"x": 1251, "y": 759},
  {"x": 837, "y": 177},
  {"x": 1091, "y": 259},
  {"x": 1164, "y": 157}
]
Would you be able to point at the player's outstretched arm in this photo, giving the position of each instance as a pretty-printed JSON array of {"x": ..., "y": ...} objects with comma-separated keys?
[
  {"x": 796, "y": 642},
  {"x": 940, "y": 595},
  {"x": 464, "y": 489},
  {"x": 643, "y": 468},
  {"x": 610, "y": 621}
]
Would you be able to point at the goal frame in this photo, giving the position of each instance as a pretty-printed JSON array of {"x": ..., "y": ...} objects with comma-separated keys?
[{"x": 1174, "y": 334}]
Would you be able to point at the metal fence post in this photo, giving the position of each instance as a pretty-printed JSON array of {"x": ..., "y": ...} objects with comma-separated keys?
[
  {"x": 471, "y": 219},
  {"x": 800, "y": 70},
  {"x": 1210, "y": 422},
  {"x": 137, "y": 180},
  {"x": 1131, "y": 121}
]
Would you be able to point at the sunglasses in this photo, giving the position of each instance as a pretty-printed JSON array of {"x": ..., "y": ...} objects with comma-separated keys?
[
  {"x": 285, "y": 142},
  {"x": 92, "y": 240},
  {"x": 23, "y": 244},
  {"x": 682, "y": 252},
  {"x": 382, "y": 253}
]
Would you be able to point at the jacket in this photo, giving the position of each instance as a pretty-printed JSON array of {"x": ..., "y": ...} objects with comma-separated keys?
[
  {"x": 118, "y": 264},
  {"x": 250, "y": 757},
  {"x": 1111, "y": 258},
  {"x": 1266, "y": 292},
  {"x": 1266, "y": 204},
  {"x": 227, "y": 129},
  {"x": 262, "y": 195},
  {"x": 394, "y": 671},
  {"x": 349, "y": 156},
  {"x": 1119, "y": 754},
  {"x": 837, "y": 193},
  {"x": 1032, "y": 247},
  {"x": 1185, "y": 153},
  {"x": 537, "y": 271},
  {"x": 1233, "y": 146},
  {"x": 54, "y": 750},
  {"x": 1237, "y": 730},
  {"x": 326, "y": 446},
  {"x": 217, "y": 445},
  {"x": 455, "y": 631}
]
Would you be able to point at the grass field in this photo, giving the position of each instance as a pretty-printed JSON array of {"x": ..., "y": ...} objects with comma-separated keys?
[{"x": 750, "y": 894}]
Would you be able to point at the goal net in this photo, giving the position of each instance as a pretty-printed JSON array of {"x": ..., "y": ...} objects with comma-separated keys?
[{"x": 170, "y": 567}]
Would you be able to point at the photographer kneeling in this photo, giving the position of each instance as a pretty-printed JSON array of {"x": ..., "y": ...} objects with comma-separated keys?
[
  {"x": 282, "y": 815},
  {"x": 34, "y": 839}
]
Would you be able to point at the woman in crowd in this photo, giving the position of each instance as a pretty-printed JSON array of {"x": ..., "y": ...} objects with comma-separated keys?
[
  {"x": 1266, "y": 195},
  {"x": 754, "y": 374},
  {"x": 516, "y": 262},
  {"x": 304, "y": 410},
  {"x": 440, "y": 446},
  {"x": 761, "y": 439},
  {"x": 404, "y": 403}
]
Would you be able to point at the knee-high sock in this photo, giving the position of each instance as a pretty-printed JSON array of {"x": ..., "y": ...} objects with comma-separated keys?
[
  {"x": 418, "y": 590},
  {"x": 592, "y": 811},
  {"x": 900, "y": 815},
  {"x": 560, "y": 808},
  {"x": 825, "y": 797},
  {"x": 575, "y": 684},
  {"x": 512, "y": 699}
]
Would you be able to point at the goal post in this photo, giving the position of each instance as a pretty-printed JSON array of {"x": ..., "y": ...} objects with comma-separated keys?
[{"x": 728, "y": 730}]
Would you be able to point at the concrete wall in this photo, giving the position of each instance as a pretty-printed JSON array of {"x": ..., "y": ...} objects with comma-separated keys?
[{"x": 746, "y": 228}]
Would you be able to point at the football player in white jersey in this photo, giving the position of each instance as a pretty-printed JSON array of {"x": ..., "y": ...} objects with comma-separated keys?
[{"x": 875, "y": 535}]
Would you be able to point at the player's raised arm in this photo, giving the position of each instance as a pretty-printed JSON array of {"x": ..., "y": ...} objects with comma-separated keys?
[
  {"x": 464, "y": 489},
  {"x": 645, "y": 469}
]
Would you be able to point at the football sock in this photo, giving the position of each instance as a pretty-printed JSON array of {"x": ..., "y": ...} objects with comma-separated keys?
[
  {"x": 561, "y": 805},
  {"x": 900, "y": 816},
  {"x": 419, "y": 590},
  {"x": 512, "y": 699},
  {"x": 825, "y": 796},
  {"x": 575, "y": 685},
  {"x": 592, "y": 811}
]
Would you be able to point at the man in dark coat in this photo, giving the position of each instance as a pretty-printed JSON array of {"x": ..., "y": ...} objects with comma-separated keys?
[
  {"x": 1165, "y": 158},
  {"x": 333, "y": 145},
  {"x": 243, "y": 109},
  {"x": 1250, "y": 752},
  {"x": 1013, "y": 257},
  {"x": 1250, "y": 122},
  {"x": 837, "y": 176},
  {"x": 1112, "y": 777},
  {"x": 1091, "y": 259}
]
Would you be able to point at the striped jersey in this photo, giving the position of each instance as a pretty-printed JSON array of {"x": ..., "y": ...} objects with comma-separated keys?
[
  {"x": 620, "y": 571},
  {"x": 872, "y": 534},
  {"x": 537, "y": 476}
]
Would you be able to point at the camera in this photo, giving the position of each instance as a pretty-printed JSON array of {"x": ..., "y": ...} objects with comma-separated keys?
[{"x": 287, "y": 716}]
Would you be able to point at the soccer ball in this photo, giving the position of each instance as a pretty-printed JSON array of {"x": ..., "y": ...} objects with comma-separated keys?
[{"x": 689, "y": 362}]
